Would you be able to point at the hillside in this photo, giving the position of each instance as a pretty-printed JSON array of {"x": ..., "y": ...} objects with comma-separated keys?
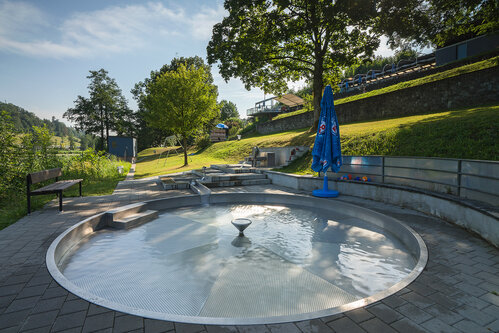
[
  {"x": 471, "y": 133},
  {"x": 24, "y": 120},
  {"x": 480, "y": 65}
]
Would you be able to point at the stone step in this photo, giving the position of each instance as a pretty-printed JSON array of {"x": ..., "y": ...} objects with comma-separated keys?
[
  {"x": 235, "y": 177},
  {"x": 239, "y": 182},
  {"x": 135, "y": 220},
  {"x": 121, "y": 212},
  {"x": 232, "y": 168}
]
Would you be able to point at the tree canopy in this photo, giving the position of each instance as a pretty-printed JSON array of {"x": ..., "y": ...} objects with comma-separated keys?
[
  {"x": 435, "y": 22},
  {"x": 181, "y": 101},
  {"x": 106, "y": 109},
  {"x": 269, "y": 43},
  {"x": 148, "y": 136},
  {"x": 228, "y": 110}
]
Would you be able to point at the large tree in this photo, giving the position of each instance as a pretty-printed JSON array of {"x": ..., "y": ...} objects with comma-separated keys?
[
  {"x": 181, "y": 101},
  {"x": 435, "y": 22},
  {"x": 269, "y": 43},
  {"x": 148, "y": 136},
  {"x": 104, "y": 110}
]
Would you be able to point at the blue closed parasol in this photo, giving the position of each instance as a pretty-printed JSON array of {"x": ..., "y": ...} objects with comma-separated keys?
[
  {"x": 222, "y": 126},
  {"x": 327, "y": 146}
]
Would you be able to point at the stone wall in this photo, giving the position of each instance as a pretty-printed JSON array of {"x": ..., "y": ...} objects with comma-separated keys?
[{"x": 466, "y": 90}]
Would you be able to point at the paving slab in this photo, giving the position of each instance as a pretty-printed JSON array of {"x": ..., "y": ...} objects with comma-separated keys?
[{"x": 455, "y": 292}]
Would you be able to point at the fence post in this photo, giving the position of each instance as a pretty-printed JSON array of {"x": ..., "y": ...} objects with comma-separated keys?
[
  {"x": 382, "y": 169},
  {"x": 459, "y": 177}
]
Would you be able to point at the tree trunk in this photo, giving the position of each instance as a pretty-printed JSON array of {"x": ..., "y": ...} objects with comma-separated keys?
[
  {"x": 185, "y": 150},
  {"x": 107, "y": 128},
  {"x": 107, "y": 135},
  {"x": 318, "y": 86},
  {"x": 101, "y": 127}
]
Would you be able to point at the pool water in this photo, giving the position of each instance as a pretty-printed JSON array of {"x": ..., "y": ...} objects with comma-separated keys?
[{"x": 190, "y": 262}]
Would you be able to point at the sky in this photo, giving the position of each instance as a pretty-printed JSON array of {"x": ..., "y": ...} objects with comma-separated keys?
[{"x": 48, "y": 47}]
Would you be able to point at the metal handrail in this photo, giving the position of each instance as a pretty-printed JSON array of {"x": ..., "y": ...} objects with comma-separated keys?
[{"x": 457, "y": 174}]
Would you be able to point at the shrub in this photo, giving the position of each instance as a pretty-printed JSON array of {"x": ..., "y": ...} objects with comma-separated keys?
[{"x": 203, "y": 141}]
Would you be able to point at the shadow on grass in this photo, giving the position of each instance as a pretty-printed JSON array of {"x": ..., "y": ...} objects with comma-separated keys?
[{"x": 305, "y": 139}]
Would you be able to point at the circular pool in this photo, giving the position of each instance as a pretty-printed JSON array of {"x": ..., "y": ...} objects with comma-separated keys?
[{"x": 300, "y": 258}]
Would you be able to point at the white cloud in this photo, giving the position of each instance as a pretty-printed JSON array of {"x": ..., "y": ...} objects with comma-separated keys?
[
  {"x": 20, "y": 18},
  {"x": 114, "y": 29},
  {"x": 383, "y": 49},
  {"x": 202, "y": 22}
]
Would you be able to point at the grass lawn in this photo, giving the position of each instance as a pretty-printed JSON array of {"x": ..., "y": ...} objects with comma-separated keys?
[
  {"x": 13, "y": 210},
  {"x": 470, "y": 133},
  {"x": 488, "y": 63}
]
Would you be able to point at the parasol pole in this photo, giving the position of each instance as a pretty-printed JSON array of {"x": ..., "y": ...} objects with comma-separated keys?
[{"x": 325, "y": 192}]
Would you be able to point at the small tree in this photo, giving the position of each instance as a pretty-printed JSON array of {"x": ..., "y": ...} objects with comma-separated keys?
[
  {"x": 148, "y": 136},
  {"x": 228, "y": 110},
  {"x": 8, "y": 153},
  {"x": 105, "y": 110},
  {"x": 181, "y": 101}
]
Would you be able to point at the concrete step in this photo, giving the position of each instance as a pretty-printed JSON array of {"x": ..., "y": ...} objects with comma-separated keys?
[
  {"x": 229, "y": 168},
  {"x": 239, "y": 182},
  {"x": 121, "y": 212},
  {"x": 135, "y": 220},
  {"x": 235, "y": 177}
]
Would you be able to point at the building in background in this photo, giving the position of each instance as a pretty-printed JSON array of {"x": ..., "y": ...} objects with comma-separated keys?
[{"x": 125, "y": 148}]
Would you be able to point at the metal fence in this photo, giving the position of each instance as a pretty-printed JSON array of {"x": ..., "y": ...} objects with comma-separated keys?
[{"x": 472, "y": 179}]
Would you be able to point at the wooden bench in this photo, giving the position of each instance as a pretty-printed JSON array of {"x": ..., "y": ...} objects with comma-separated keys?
[{"x": 57, "y": 187}]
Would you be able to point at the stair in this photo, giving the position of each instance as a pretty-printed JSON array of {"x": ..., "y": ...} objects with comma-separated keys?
[
  {"x": 135, "y": 220},
  {"x": 130, "y": 216},
  {"x": 234, "y": 176},
  {"x": 238, "y": 182}
]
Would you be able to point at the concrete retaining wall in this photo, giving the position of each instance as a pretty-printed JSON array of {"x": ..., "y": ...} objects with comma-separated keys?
[{"x": 459, "y": 212}]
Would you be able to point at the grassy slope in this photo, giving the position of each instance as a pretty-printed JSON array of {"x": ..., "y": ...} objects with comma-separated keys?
[
  {"x": 464, "y": 133},
  {"x": 58, "y": 141},
  {"x": 488, "y": 63},
  {"x": 151, "y": 164}
]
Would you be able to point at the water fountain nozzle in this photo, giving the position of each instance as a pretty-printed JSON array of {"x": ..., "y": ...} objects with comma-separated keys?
[{"x": 241, "y": 224}]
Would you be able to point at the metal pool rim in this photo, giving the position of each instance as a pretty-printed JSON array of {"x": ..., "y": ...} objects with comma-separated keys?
[{"x": 415, "y": 244}]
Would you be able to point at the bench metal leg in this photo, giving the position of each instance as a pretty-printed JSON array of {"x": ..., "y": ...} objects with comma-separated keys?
[
  {"x": 80, "y": 188},
  {"x": 60, "y": 200}
]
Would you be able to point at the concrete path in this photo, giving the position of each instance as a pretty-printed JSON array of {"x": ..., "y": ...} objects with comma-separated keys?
[{"x": 457, "y": 292}]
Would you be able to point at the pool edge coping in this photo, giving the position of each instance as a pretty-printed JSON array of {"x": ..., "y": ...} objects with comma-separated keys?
[{"x": 96, "y": 222}]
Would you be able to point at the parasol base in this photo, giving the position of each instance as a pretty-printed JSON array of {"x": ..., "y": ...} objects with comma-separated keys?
[{"x": 325, "y": 194}]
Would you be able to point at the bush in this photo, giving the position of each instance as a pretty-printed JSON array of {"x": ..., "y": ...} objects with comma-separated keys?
[
  {"x": 203, "y": 141},
  {"x": 21, "y": 154},
  {"x": 24, "y": 153},
  {"x": 248, "y": 129},
  {"x": 90, "y": 165}
]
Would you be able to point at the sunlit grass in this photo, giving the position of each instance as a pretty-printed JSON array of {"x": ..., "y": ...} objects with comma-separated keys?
[{"x": 464, "y": 133}]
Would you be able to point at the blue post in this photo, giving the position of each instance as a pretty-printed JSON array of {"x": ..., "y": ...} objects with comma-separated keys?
[{"x": 325, "y": 192}]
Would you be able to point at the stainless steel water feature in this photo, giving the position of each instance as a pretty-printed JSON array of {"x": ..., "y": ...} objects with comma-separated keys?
[
  {"x": 241, "y": 224},
  {"x": 78, "y": 235}
]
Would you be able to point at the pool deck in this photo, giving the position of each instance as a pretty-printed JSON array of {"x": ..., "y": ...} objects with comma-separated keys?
[{"x": 457, "y": 291}]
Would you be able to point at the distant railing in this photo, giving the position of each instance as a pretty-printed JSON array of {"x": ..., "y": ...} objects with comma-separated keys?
[
  {"x": 404, "y": 66},
  {"x": 471, "y": 179},
  {"x": 266, "y": 110}
]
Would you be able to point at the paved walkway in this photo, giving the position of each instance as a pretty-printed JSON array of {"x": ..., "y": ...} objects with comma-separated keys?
[{"x": 457, "y": 292}]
